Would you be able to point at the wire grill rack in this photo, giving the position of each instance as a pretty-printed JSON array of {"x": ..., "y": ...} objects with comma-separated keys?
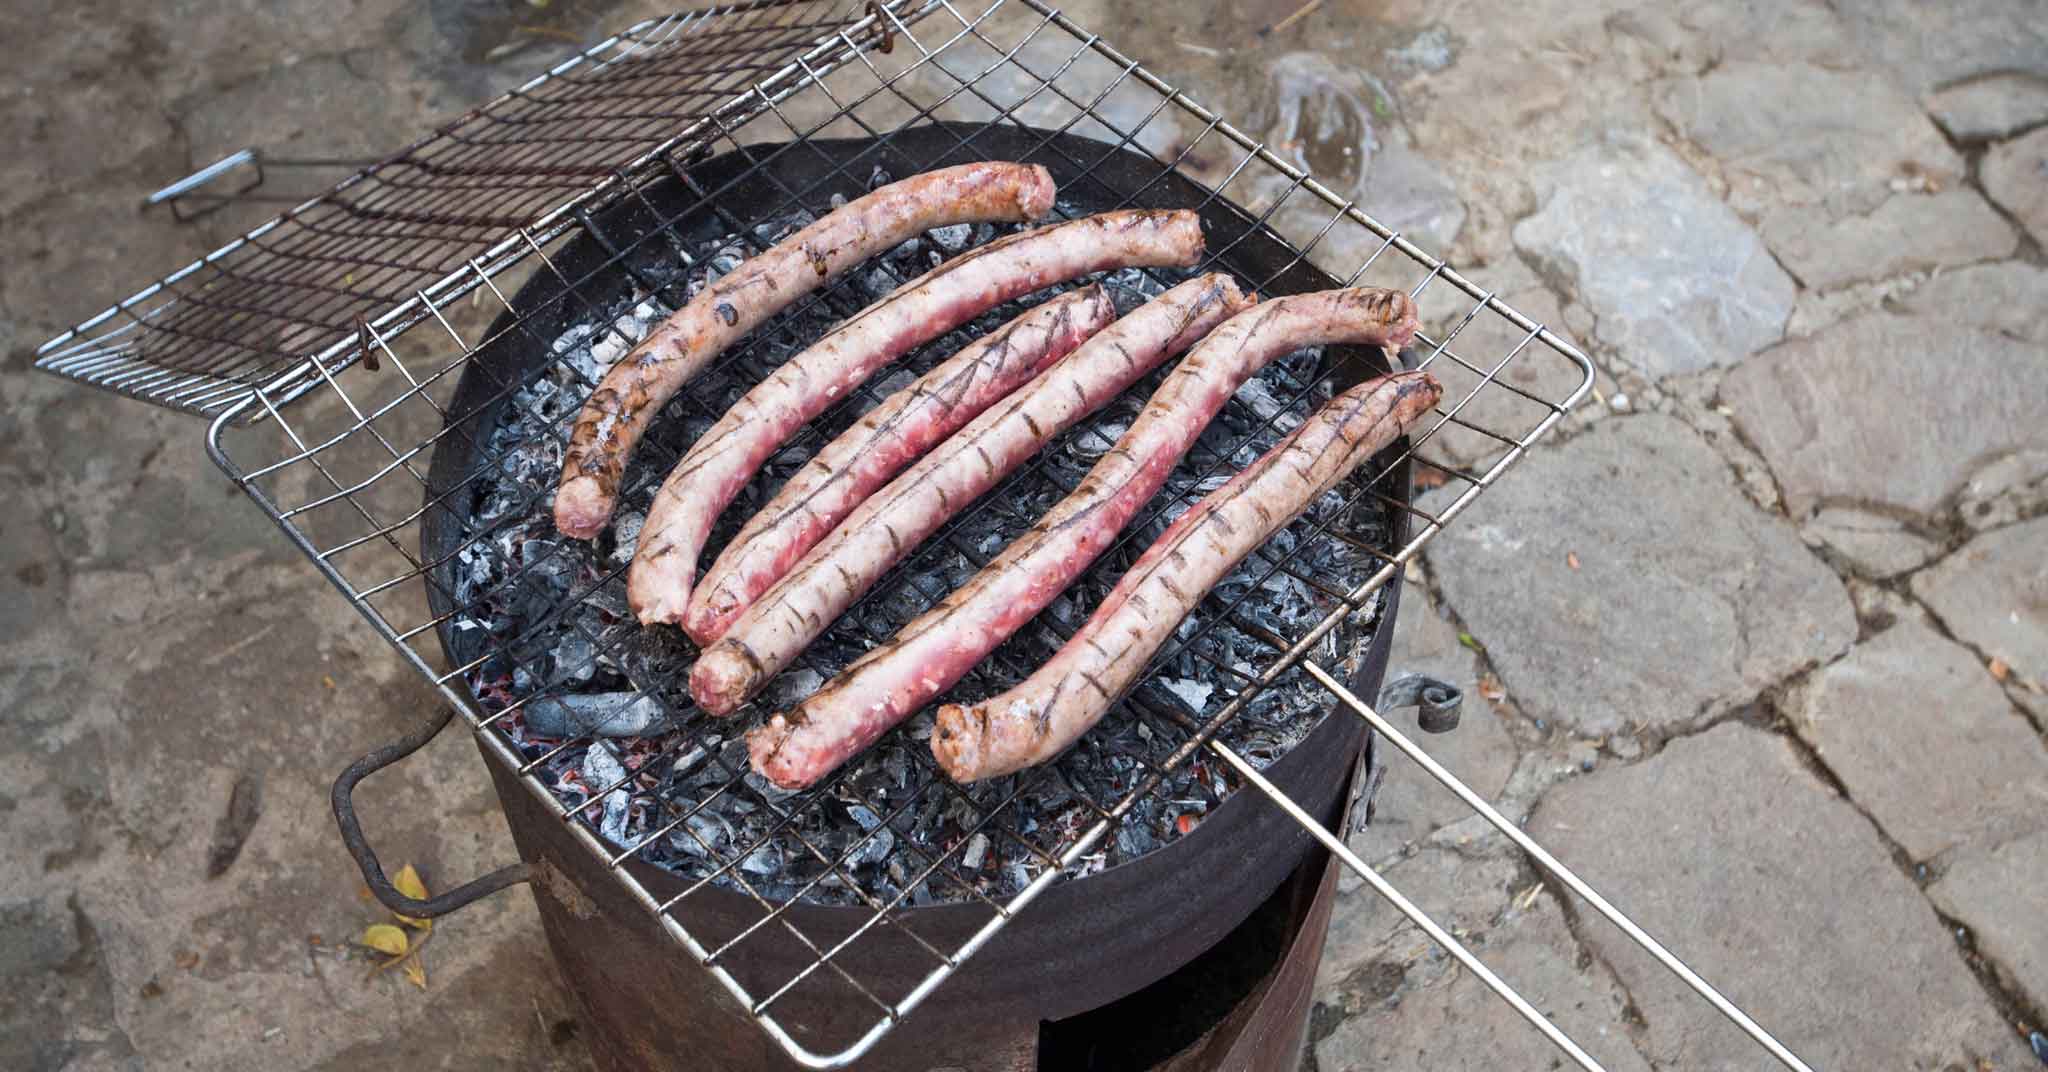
[{"x": 271, "y": 329}]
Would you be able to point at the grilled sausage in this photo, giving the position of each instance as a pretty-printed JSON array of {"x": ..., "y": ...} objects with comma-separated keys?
[
  {"x": 941, "y": 645},
  {"x": 1061, "y": 700},
  {"x": 889, "y": 437},
  {"x": 899, "y": 517},
  {"x": 619, "y": 410},
  {"x": 721, "y": 462}
]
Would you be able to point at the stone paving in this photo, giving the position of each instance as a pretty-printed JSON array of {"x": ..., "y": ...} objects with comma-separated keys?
[{"x": 1764, "y": 624}]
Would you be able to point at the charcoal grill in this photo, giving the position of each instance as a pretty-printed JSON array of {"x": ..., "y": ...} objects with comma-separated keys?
[{"x": 356, "y": 354}]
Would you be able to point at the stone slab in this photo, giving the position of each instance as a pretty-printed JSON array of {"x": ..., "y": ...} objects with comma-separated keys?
[
  {"x": 1833, "y": 138},
  {"x": 1737, "y": 858},
  {"x": 1839, "y": 168},
  {"x": 1927, "y": 46},
  {"x": 1991, "y": 107},
  {"x": 1676, "y": 280},
  {"x": 1993, "y": 594},
  {"x": 1946, "y": 229},
  {"x": 1687, "y": 599},
  {"x": 1875, "y": 545},
  {"x": 2006, "y": 297},
  {"x": 2001, "y": 894},
  {"x": 2015, "y": 174},
  {"x": 1893, "y": 412},
  {"x": 1924, "y": 740},
  {"x": 1405, "y": 1004}
]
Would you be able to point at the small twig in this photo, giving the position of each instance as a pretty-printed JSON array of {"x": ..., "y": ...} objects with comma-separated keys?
[{"x": 1300, "y": 13}]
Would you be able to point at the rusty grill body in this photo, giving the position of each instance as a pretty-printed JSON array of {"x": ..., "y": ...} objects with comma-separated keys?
[{"x": 355, "y": 354}]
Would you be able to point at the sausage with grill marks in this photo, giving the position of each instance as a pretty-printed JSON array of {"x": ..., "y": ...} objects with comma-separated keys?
[
  {"x": 1061, "y": 700},
  {"x": 721, "y": 462},
  {"x": 619, "y": 410},
  {"x": 892, "y": 435},
  {"x": 938, "y": 648},
  {"x": 896, "y": 519}
]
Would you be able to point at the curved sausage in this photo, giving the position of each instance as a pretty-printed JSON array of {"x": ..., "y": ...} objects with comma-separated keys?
[
  {"x": 932, "y": 652},
  {"x": 721, "y": 462},
  {"x": 889, "y": 437},
  {"x": 619, "y": 410},
  {"x": 899, "y": 517},
  {"x": 1062, "y": 699}
]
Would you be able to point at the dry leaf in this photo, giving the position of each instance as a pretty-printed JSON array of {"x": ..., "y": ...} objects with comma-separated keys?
[
  {"x": 1999, "y": 670},
  {"x": 385, "y": 938},
  {"x": 416, "y": 973},
  {"x": 187, "y": 960},
  {"x": 1429, "y": 476},
  {"x": 408, "y": 882}
]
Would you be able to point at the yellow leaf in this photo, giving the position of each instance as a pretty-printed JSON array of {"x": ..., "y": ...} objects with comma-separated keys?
[
  {"x": 408, "y": 882},
  {"x": 416, "y": 973},
  {"x": 385, "y": 938}
]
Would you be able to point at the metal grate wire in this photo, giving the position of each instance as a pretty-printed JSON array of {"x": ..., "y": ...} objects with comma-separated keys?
[{"x": 444, "y": 232}]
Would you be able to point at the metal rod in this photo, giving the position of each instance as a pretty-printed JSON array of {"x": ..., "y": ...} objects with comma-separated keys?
[
  {"x": 1407, "y": 907},
  {"x": 1564, "y": 874}
]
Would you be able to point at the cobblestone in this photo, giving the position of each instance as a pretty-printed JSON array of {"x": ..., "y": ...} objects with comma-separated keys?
[
  {"x": 1686, "y": 599},
  {"x": 1729, "y": 850},
  {"x": 1888, "y": 412},
  {"x": 1924, "y": 740}
]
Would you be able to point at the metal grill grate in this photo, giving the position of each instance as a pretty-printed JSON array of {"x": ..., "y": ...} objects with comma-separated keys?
[
  {"x": 344, "y": 470},
  {"x": 286, "y": 303}
]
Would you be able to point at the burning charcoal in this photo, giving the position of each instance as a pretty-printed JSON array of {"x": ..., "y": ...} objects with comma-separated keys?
[
  {"x": 766, "y": 860},
  {"x": 1133, "y": 840},
  {"x": 570, "y": 339},
  {"x": 877, "y": 283},
  {"x": 791, "y": 688},
  {"x": 610, "y": 714},
  {"x": 575, "y": 658},
  {"x": 976, "y": 851},
  {"x": 875, "y": 849},
  {"x": 1093, "y": 441},
  {"x": 702, "y": 834},
  {"x": 952, "y": 240},
  {"x": 768, "y": 789},
  {"x": 601, "y": 767}
]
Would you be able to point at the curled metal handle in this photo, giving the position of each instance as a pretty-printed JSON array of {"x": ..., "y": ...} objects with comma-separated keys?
[
  {"x": 1436, "y": 701},
  {"x": 366, "y": 858},
  {"x": 1436, "y": 704}
]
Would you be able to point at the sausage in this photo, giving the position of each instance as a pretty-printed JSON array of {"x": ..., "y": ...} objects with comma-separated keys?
[
  {"x": 889, "y": 437},
  {"x": 721, "y": 462},
  {"x": 619, "y": 410},
  {"x": 1036, "y": 721},
  {"x": 934, "y": 651},
  {"x": 899, "y": 517}
]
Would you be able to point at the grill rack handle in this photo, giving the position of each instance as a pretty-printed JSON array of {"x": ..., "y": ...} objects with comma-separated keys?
[{"x": 366, "y": 858}]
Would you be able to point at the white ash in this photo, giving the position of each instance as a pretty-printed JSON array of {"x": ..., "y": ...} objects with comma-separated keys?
[
  {"x": 544, "y": 619},
  {"x": 1193, "y": 693}
]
